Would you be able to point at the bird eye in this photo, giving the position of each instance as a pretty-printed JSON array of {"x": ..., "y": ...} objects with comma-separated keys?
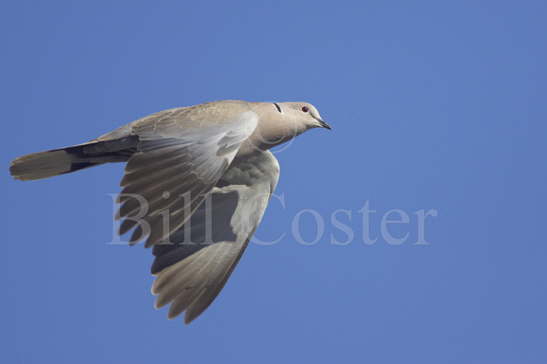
[{"x": 305, "y": 108}]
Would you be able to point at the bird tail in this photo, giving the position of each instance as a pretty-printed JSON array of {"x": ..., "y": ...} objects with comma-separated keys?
[{"x": 70, "y": 159}]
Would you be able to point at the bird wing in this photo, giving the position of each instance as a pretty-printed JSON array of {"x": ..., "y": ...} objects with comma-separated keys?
[
  {"x": 193, "y": 268},
  {"x": 179, "y": 158}
]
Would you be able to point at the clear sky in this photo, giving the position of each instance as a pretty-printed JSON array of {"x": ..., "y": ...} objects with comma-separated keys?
[{"x": 436, "y": 106}]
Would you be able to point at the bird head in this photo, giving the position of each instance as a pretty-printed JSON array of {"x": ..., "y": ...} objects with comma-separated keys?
[{"x": 302, "y": 113}]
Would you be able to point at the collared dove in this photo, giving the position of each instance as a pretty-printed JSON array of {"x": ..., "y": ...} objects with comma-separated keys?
[{"x": 196, "y": 184}]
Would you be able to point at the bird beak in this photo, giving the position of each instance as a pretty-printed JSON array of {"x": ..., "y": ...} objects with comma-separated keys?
[{"x": 322, "y": 123}]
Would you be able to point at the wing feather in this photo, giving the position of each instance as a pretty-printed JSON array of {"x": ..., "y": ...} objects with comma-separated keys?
[
  {"x": 177, "y": 163},
  {"x": 192, "y": 270}
]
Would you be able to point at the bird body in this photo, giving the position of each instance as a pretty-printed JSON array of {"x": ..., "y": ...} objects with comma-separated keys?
[{"x": 196, "y": 184}]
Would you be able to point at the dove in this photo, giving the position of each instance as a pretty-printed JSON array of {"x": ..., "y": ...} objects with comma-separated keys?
[{"x": 196, "y": 184}]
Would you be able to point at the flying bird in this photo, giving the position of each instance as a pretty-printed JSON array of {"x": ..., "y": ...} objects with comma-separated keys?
[{"x": 197, "y": 181}]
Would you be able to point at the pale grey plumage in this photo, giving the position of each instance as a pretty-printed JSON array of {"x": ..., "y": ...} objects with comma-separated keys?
[
  {"x": 194, "y": 168},
  {"x": 236, "y": 209},
  {"x": 177, "y": 159}
]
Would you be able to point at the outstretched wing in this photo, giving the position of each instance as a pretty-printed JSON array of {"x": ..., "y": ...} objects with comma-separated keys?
[
  {"x": 179, "y": 158},
  {"x": 194, "y": 266}
]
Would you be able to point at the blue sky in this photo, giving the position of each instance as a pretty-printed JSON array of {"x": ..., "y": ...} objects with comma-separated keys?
[{"x": 434, "y": 106}]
